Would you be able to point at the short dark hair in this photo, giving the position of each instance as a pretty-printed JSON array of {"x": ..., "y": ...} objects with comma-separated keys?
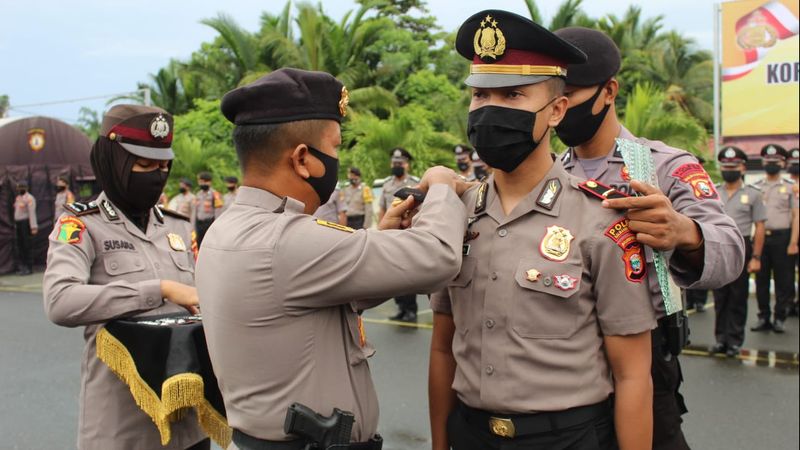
[
  {"x": 205, "y": 176},
  {"x": 556, "y": 86},
  {"x": 265, "y": 143}
]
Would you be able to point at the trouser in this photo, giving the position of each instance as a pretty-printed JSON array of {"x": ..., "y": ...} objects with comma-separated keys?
[
  {"x": 201, "y": 227},
  {"x": 24, "y": 256},
  {"x": 584, "y": 428},
  {"x": 205, "y": 444},
  {"x": 775, "y": 262},
  {"x": 696, "y": 297},
  {"x": 668, "y": 404},
  {"x": 730, "y": 305},
  {"x": 407, "y": 303},
  {"x": 244, "y": 441},
  {"x": 355, "y": 222}
]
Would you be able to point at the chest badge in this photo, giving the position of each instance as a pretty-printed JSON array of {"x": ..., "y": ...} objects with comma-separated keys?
[
  {"x": 555, "y": 244},
  {"x": 533, "y": 275},
  {"x": 565, "y": 282},
  {"x": 745, "y": 199},
  {"x": 176, "y": 242}
]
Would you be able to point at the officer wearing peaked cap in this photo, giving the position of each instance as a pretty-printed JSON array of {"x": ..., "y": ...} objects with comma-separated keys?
[
  {"x": 464, "y": 162},
  {"x": 270, "y": 272},
  {"x": 744, "y": 205},
  {"x": 699, "y": 245},
  {"x": 550, "y": 299},
  {"x": 794, "y": 173},
  {"x": 780, "y": 246},
  {"x": 119, "y": 257}
]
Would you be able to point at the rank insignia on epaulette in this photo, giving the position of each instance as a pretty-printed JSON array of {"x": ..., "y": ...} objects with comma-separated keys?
[
  {"x": 108, "y": 210},
  {"x": 159, "y": 215},
  {"x": 81, "y": 209},
  {"x": 334, "y": 225},
  {"x": 600, "y": 190},
  {"x": 633, "y": 252},
  {"x": 480, "y": 202},
  {"x": 70, "y": 230},
  {"x": 549, "y": 195}
]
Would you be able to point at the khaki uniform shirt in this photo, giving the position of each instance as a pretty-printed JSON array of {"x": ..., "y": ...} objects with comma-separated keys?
[
  {"x": 745, "y": 207},
  {"x": 227, "y": 200},
  {"x": 391, "y": 185},
  {"x": 208, "y": 204},
  {"x": 183, "y": 204},
  {"x": 330, "y": 210},
  {"x": 280, "y": 291},
  {"x": 62, "y": 198},
  {"x": 780, "y": 201},
  {"x": 25, "y": 209},
  {"x": 100, "y": 267},
  {"x": 357, "y": 200},
  {"x": 684, "y": 181},
  {"x": 532, "y": 303}
]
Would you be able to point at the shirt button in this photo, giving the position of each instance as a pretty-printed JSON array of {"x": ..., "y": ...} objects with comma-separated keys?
[
  {"x": 151, "y": 301},
  {"x": 502, "y": 232},
  {"x": 158, "y": 266},
  {"x": 548, "y": 281},
  {"x": 494, "y": 275},
  {"x": 489, "y": 369},
  {"x": 114, "y": 266},
  {"x": 489, "y": 323}
]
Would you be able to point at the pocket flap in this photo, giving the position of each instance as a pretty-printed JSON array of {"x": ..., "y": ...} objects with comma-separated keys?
[
  {"x": 183, "y": 260},
  {"x": 123, "y": 264},
  {"x": 468, "y": 264},
  {"x": 558, "y": 279}
]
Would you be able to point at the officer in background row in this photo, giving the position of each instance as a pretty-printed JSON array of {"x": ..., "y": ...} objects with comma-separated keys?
[
  {"x": 479, "y": 167},
  {"x": 357, "y": 198},
  {"x": 232, "y": 187},
  {"x": 207, "y": 205},
  {"x": 744, "y": 204},
  {"x": 400, "y": 178},
  {"x": 780, "y": 245},
  {"x": 680, "y": 216},
  {"x": 26, "y": 227},
  {"x": 184, "y": 202},
  {"x": 464, "y": 162},
  {"x": 63, "y": 196},
  {"x": 550, "y": 313},
  {"x": 282, "y": 290},
  {"x": 794, "y": 173},
  {"x": 333, "y": 209}
]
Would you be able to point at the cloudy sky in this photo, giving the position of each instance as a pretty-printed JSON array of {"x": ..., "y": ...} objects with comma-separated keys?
[{"x": 53, "y": 50}]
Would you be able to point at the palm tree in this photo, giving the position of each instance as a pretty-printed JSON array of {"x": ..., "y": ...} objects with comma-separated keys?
[{"x": 569, "y": 14}]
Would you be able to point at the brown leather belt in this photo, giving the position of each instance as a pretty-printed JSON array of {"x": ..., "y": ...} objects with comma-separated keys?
[{"x": 511, "y": 425}]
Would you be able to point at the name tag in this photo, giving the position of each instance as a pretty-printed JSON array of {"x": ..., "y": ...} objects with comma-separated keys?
[
  {"x": 782, "y": 189},
  {"x": 745, "y": 199},
  {"x": 465, "y": 249}
]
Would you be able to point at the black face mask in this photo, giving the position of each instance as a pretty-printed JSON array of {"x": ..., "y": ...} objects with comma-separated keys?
[
  {"x": 326, "y": 184},
  {"x": 231, "y": 188},
  {"x": 182, "y": 190},
  {"x": 462, "y": 166},
  {"x": 579, "y": 124},
  {"x": 772, "y": 168},
  {"x": 398, "y": 171},
  {"x": 21, "y": 191},
  {"x": 794, "y": 169},
  {"x": 731, "y": 176},
  {"x": 502, "y": 136},
  {"x": 61, "y": 188},
  {"x": 354, "y": 181},
  {"x": 205, "y": 187},
  {"x": 480, "y": 173},
  {"x": 144, "y": 188}
]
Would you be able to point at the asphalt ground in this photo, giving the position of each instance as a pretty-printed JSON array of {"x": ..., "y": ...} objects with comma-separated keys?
[{"x": 750, "y": 402}]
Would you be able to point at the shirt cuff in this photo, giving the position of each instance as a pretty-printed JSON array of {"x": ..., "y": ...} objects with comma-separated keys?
[{"x": 150, "y": 294}]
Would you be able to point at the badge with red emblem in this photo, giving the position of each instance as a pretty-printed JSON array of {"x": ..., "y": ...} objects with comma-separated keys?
[
  {"x": 694, "y": 175},
  {"x": 565, "y": 282},
  {"x": 633, "y": 252}
]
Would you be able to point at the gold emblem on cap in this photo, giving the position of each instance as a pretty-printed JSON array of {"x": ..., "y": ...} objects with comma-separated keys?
[
  {"x": 176, "y": 242},
  {"x": 489, "y": 40},
  {"x": 112, "y": 136},
  {"x": 344, "y": 101},
  {"x": 159, "y": 127},
  {"x": 555, "y": 244}
]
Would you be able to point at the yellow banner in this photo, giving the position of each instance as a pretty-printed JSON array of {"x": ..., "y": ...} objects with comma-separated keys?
[{"x": 760, "y": 67}]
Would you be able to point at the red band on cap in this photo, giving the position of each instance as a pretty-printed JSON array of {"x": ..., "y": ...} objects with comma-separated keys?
[
  {"x": 524, "y": 57},
  {"x": 139, "y": 134}
]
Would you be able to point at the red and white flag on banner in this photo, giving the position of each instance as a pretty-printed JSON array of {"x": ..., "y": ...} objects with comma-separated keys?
[{"x": 757, "y": 32}]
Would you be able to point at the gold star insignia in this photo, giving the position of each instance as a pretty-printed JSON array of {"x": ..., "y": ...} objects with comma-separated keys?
[
  {"x": 494, "y": 23},
  {"x": 532, "y": 275},
  {"x": 488, "y": 18}
]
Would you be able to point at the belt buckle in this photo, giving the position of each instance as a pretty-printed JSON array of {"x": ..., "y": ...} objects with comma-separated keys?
[
  {"x": 768, "y": 232},
  {"x": 502, "y": 427}
]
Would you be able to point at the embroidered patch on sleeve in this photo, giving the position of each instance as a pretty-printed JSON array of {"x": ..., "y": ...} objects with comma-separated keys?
[
  {"x": 70, "y": 230},
  {"x": 632, "y": 250},
  {"x": 694, "y": 175}
]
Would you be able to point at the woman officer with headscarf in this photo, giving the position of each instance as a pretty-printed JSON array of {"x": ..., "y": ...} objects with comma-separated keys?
[{"x": 121, "y": 256}]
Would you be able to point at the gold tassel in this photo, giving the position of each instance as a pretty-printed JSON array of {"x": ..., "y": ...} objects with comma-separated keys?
[{"x": 214, "y": 424}]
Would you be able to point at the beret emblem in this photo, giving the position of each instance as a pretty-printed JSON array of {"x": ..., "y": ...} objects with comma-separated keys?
[
  {"x": 489, "y": 41},
  {"x": 344, "y": 100},
  {"x": 159, "y": 127}
]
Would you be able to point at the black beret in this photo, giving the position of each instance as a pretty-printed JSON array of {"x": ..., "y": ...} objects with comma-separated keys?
[
  {"x": 773, "y": 151},
  {"x": 355, "y": 171},
  {"x": 400, "y": 154},
  {"x": 732, "y": 155},
  {"x": 231, "y": 179},
  {"x": 510, "y": 50},
  {"x": 604, "y": 59},
  {"x": 205, "y": 176},
  {"x": 287, "y": 95},
  {"x": 187, "y": 182},
  {"x": 462, "y": 149}
]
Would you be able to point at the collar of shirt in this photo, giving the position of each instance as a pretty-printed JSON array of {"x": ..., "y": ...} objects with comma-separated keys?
[
  {"x": 494, "y": 208},
  {"x": 570, "y": 158},
  {"x": 262, "y": 199},
  {"x": 152, "y": 224}
]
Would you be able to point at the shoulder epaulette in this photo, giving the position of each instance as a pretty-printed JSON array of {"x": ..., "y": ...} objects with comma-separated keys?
[
  {"x": 82, "y": 208},
  {"x": 753, "y": 185},
  {"x": 176, "y": 214},
  {"x": 761, "y": 181},
  {"x": 788, "y": 180},
  {"x": 600, "y": 190},
  {"x": 414, "y": 179}
]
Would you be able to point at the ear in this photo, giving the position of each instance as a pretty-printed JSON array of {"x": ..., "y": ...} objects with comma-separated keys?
[
  {"x": 299, "y": 158},
  {"x": 611, "y": 90},
  {"x": 560, "y": 105}
]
